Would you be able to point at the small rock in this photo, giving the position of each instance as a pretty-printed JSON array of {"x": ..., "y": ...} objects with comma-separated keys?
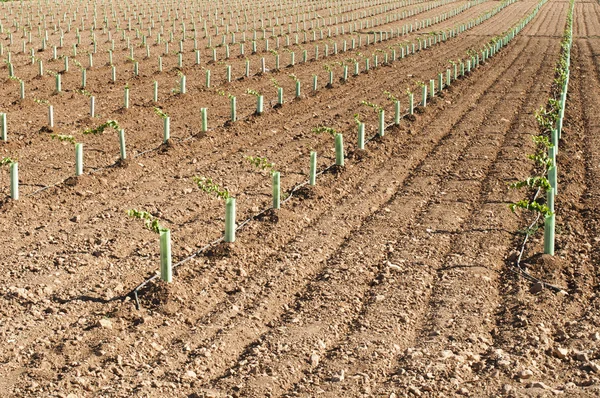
[
  {"x": 75, "y": 219},
  {"x": 593, "y": 366},
  {"x": 595, "y": 336},
  {"x": 105, "y": 323},
  {"x": 414, "y": 390},
  {"x": 538, "y": 384},
  {"x": 463, "y": 391},
  {"x": 314, "y": 360},
  {"x": 560, "y": 353},
  {"x": 338, "y": 378},
  {"x": 525, "y": 374},
  {"x": 190, "y": 374},
  {"x": 507, "y": 388},
  {"x": 472, "y": 357},
  {"x": 581, "y": 356},
  {"x": 536, "y": 288}
]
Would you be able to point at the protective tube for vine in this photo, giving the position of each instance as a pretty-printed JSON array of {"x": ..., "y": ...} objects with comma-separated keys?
[
  {"x": 298, "y": 89},
  {"x": 230, "y": 220},
  {"x": 166, "y": 129},
  {"x": 552, "y": 169},
  {"x": 126, "y": 99},
  {"x": 381, "y": 130},
  {"x": 361, "y": 136},
  {"x": 276, "y": 190},
  {"x": 83, "y": 78},
  {"x": 4, "y": 126},
  {"x": 78, "y": 159},
  {"x": 182, "y": 87},
  {"x": 51, "y": 116},
  {"x": 312, "y": 178},
  {"x": 122, "y": 144},
  {"x": 166, "y": 269},
  {"x": 424, "y": 95},
  {"x": 233, "y": 102},
  {"x": 204, "y": 114},
  {"x": 280, "y": 95},
  {"x": 549, "y": 226},
  {"x": 155, "y": 92},
  {"x": 339, "y": 150},
  {"x": 315, "y": 82},
  {"x": 259, "y": 104},
  {"x": 92, "y": 106},
  {"x": 14, "y": 181},
  {"x": 411, "y": 103}
]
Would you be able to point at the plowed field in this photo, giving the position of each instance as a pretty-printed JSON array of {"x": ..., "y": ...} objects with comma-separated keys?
[{"x": 393, "y": 276}]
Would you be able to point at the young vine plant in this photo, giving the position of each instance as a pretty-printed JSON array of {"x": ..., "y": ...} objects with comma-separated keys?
[
  {"x": 207, "y": 185},
  {"x": 151, "y": 222}
]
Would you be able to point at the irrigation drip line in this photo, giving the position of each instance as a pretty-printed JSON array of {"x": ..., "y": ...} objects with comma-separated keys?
[{"x": 520, "y": 269}]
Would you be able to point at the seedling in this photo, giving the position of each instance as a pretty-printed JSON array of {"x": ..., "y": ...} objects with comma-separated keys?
[
  {"x": 166, "y": 270},
  {"x": 253, "y": 92},
  {"x": 181, "y": 87},
  {"x": 259, "y": 100},
  {"x": 150, "y": 221},
  {"x": 100, "y": 129},
  {"x": 14, "y": 176},
  {"x": 7, "y": 161},
  {"x": 78, "y": 150},
  {"x": 160, "y": 113},
  {"x": 361, "y": 131},
  {"x": 64, "y": 138},
  {"x": 207, "y": 185},
  {"x": 324, "y": 129},
  {"x": 381, "y": 114},
  {"x": 533, "y": 206},
  {"x": 261, "y": 163},
  {"x": 166, "y": 123}
]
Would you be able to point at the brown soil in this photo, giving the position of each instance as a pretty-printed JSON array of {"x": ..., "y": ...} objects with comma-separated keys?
[{"x": 391, "y": 277}]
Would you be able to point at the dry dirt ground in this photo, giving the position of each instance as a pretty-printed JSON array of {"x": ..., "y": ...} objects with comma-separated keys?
[{"x": 392, "y": 277}]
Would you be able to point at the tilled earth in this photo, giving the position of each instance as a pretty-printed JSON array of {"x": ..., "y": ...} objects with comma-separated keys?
[{"x": 394, "y": 276}]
